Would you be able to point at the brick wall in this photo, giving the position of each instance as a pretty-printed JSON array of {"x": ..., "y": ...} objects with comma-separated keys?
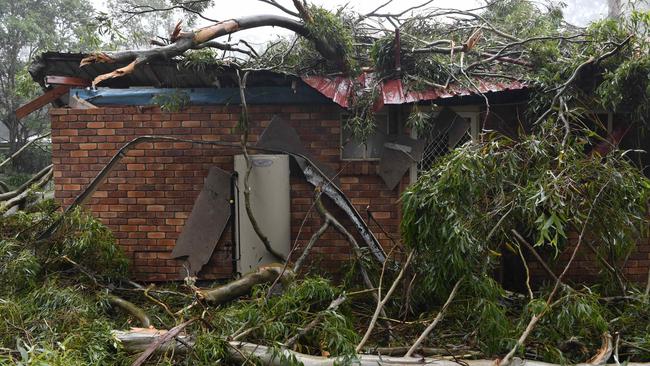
[
  {"x": 586, "y": 267},
  {"x": 148, "y": 197}
]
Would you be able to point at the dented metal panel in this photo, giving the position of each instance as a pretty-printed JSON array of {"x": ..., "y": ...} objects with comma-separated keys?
[
  {"x": 397, "y": 158},
  {"x": 270, "y": 202},
  {"x": 206, "y": 222},
  {"x": 279, "y": 136},
  {"x": 317, "y": 179}
]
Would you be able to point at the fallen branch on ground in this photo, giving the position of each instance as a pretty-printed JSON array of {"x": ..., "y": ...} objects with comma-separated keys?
[
  {"x": 20, "y": 151},
  {"x": 244, "y": 285},
  {"x": 435, "y": 321},
  {"x": 384, "y": 300},
  {"x": 137, "y": 339},
  {"x": 130, "y": 308}
]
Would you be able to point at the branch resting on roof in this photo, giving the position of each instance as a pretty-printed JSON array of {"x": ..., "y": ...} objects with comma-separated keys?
[{"x": 202, "y": 38}]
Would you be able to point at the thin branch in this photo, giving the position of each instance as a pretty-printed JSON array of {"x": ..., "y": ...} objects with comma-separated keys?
[
  {"x": 549, "y": 301},
  {"x": 284, "y": 9},
  {"x": 130, "y": 308},
  {"x": 435, "y": 321},
  {"x": 332, "y": 307},
  {"x": 225, "y": 47},
  {"x": 608, "y": 266},
  {"x": 314, "y": 238},
  {"x": 17, "y": 153},
  {"x": 541, "y": 261},
  {"x": 172, "y": 333},
  {"x": 383, "y": 302},
  {"x": 249, "y": 168}
]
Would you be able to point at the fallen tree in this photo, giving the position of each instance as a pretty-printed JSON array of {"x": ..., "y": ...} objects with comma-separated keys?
[
  {"x": 138, "y": 339},
  {"x": 482, "y": 200}
]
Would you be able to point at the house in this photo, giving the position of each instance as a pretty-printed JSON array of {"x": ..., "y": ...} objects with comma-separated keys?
[{"x": 148, "y": 200}]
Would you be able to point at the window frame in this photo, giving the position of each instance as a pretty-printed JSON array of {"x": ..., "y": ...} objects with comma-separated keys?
[
  {"x": 383, "y": 114},
  {"x": 471, "y": 111}
]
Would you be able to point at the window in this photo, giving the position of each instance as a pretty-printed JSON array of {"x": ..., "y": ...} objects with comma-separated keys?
[
  {"x": 440, "y": 140},
  {"x": 386, "y": 126}
]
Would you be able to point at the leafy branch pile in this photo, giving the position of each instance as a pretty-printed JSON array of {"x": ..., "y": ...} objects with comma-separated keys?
[
  {"x": 500, "y": 196},
  {"x": 485, "y": 199},
  {"x": 58, "y": 307}
]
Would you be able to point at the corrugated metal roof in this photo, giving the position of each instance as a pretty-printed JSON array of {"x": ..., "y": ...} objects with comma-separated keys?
[
  {"x": 172, "y": 74},
  {"x": 159, "y": 74},
  {"x": 394, "y": 91}
]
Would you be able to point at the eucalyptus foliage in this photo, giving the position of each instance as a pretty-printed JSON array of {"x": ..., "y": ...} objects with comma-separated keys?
[
  {"x": 460, "y": 215},
  {"x": 277, "y": 319},
  {"x": 54, "y": 309},
  {"x": 51, "y": 313}
]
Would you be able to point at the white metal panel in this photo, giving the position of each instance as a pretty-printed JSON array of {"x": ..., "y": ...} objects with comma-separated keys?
[{"x": 270, "y": 202}]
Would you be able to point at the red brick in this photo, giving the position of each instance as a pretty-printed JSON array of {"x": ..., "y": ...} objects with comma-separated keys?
[
  {"x": 106, "y": 132},
  {"x": 135, "y": 166},
  {"x": 88, "y": 146},
  {"x": 78, "y": 153}
]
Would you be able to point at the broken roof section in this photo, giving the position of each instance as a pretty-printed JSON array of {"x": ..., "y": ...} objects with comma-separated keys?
[
  {"x": 158, "y": 74},
  {"x": 394, "y": 91},
  {"x": 173, "y": 74}
]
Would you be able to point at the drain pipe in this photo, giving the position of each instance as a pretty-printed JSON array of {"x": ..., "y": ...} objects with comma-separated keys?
[{"x": 234, "y": 221}]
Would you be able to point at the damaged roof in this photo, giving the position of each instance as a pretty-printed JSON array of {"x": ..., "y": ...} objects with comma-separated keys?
[
  {"x": 394, "y": 91},
  {"x": 158, "y": 74},
  {"x": 49, "y": 67}
]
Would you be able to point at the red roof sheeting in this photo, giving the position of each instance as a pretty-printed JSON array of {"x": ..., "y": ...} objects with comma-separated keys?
[{"x": 394, "y": 92}]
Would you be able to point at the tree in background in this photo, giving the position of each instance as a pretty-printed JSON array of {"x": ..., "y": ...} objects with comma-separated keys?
[
  {"x": 136, "y": 23},
  {"x": 28, "y": 27}
]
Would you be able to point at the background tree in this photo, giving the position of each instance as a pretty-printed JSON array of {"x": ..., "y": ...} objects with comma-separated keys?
[
  {"x": 28, "y": 27},
  {"x": 135, "y": 23}
]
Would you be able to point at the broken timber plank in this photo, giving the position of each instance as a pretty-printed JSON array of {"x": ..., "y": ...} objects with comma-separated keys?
[{"x": 39, "y": 102}]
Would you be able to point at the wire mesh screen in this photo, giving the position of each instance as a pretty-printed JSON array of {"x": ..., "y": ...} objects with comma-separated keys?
[{"x": 437, "y": 144}]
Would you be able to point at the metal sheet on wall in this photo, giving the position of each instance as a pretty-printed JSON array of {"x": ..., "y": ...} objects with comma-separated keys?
[
  {"x": 397, "y": 158},
  {"x": 206, "y": 222}
]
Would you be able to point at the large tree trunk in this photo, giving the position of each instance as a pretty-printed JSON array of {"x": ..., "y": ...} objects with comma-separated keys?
[
  {"x": 183, "y": 41},
  {"x": 614, "y": 9},
  {"x": 138, "y": 339}
]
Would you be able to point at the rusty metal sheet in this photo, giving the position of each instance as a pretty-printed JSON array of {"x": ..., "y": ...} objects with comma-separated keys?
[
  {"x": 280, "y": 135},
  {"x": 397, "y": 157},
  {"x": 393, "y": 91},
  {"x": 206, "y": 222}
]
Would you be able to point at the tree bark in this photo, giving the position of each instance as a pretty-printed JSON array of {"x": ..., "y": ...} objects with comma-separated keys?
[
  {"x": 243, "y": 286},
  {"x": 23, "y": 148},
  {"x": 37, "y": 178},
  {"x": 184, "y": 41},
  {"x": 130, "y": 308},
  {"x": 138, "y": 339}
]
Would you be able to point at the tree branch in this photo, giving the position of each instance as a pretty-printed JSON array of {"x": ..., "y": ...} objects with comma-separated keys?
[{"x": 435, "y": 321}]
